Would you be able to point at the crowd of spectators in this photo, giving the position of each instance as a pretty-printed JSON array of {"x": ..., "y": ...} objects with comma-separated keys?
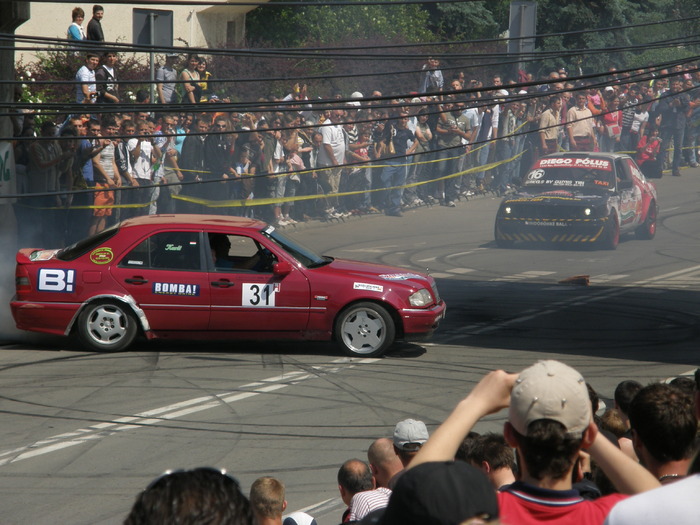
[
  {"x": 304, "y": 156},
  {"x": 557, "y": 461}
]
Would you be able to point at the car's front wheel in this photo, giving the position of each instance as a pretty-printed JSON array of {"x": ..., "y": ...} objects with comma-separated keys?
[
  {"x": 611, "y": 235},
  {"x": 106, "y": 326},
  {"x": 365, "y": 330},
  {"x": 501, "y": 241}
]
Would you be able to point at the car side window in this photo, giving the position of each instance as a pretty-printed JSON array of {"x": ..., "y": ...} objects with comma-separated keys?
[
  {"x": 623, "y": 170},
  {"x": 166, "y": 251},
  {"x": 238, "y": 253},
  {"x": 634, "y": 170}
]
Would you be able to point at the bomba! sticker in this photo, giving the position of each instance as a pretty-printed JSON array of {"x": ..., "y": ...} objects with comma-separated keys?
[
  {"x": 56, "y": 280},
  {"x": 191, "y": 290},
  {"x": 102, "y": 256},
  {"x": 368, "y": 286}
]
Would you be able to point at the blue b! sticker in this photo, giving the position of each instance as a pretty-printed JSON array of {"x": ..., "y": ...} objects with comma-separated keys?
[{"x": 191, "y": 290}]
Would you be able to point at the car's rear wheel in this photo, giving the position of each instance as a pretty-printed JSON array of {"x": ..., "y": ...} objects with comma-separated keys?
[
  {"x": 647, "y": 230},
  {"x": 365, "y": 330},
  {"x": 106, "y": 326},
  {"x": 611, "y": 235}
]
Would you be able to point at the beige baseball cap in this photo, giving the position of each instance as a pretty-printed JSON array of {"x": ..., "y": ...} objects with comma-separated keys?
[{"x": 550, "y": 390}]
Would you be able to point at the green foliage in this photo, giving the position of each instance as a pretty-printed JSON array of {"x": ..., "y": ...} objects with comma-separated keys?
[
  {"x": 466, "y": 21},
  {"x": 554, "y": 16},
  {"x": 656, "y": 10},
  {"x": 293, "y": 26}
]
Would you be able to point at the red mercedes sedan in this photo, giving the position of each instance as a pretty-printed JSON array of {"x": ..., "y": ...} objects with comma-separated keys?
[{"x": 214, "y": 277}]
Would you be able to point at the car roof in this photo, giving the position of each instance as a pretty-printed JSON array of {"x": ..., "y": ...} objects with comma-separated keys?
[{"x": 187, "y": 220}]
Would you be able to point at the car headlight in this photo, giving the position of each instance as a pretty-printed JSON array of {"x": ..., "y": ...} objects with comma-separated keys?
[
  {"x": 507, "y": 210},
  {"x": 420, "y": 298},
  {"x": 587, "y": 212}
]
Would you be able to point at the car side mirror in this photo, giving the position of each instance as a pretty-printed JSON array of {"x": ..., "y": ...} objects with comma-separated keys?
[
  {"x": 625, "y": 184},
  {"x": 281, "y": 268}
]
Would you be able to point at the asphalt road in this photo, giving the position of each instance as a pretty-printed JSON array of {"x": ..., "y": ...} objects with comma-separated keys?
[{"x": 83, "y": 433}]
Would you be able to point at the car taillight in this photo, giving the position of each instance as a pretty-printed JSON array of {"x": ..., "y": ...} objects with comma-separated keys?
[{"x": 22, "y": 282}]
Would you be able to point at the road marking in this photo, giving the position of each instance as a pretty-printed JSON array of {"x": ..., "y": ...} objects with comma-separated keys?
[
  {"x": 322, "y": 506},
  {"x": 174, "y": 411},
  {"x": 690, "y": 373},
  {"x": 461, "y": 270},
  {"x": 522, "y": 276},
  {"x": 605, "y": 278},
  {"x": 459, "y": 254},
  {"x": 377, "y": 249}
]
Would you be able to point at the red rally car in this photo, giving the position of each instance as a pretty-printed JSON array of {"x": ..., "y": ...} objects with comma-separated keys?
[
  {"x": 214, "y": 277},
  {"x": 579, "y": 198}
]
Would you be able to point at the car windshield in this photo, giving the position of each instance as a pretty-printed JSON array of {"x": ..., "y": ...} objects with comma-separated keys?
[
  {"x": 83, "y": 246},
  {"x": 302, "y": 254},
  {"x": 572, "y": 174}
]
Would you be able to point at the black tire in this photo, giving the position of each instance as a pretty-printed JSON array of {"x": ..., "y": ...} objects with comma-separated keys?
[
  {"x": 647, "y": 230},
  {"x": 106, "y": 326},
  {"x": 365, "y": 330},
  {"x": 611, "y": 235},
  {"x": 500, "y": 241},
  {"x": 504, "y": 243}
]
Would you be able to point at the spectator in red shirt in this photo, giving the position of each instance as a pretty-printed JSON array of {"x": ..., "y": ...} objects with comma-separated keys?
[{"x": 549, "y": 423}]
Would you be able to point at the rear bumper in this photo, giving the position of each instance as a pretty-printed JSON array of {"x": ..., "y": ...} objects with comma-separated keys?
[{"x": 48, "y": 318}]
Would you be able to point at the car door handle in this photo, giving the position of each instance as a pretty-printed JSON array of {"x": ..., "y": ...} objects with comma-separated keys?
[
  {"x": 223, "y": 284},
  {"x": 136, "y": 280}
]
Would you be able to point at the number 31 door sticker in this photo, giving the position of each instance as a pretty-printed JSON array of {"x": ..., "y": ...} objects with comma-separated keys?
[{"x": 258, "y": 294}]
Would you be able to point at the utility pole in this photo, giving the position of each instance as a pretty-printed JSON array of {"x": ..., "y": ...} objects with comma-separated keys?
[{"x": 12, "y": 15}]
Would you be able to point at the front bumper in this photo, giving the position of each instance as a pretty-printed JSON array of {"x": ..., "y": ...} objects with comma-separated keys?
[
  {"x": 420, "y": 323},
  {"x": 550, "y": 230}
]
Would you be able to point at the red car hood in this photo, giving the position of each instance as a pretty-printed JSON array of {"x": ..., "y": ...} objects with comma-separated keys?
[{"x": 379, "y": 271}]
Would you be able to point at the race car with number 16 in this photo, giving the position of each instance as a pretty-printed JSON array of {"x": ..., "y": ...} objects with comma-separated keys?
[{"x": 579, "y": 198}]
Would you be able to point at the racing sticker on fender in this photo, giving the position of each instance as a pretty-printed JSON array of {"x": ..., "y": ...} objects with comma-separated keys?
[
  {"x": 191, "y": 290},
  {"x": 102, "y": 256},
  {"x": 51, "y": 280},
  {"x": 368, "y": 286},
  {"x": 258, "y": 294}
]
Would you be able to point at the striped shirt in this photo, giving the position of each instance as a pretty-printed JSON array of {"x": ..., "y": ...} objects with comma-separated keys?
[{"x": 365, "y": 502}]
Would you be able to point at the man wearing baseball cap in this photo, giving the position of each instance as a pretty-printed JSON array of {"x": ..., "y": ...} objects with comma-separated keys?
[
  {"x": 409, "y": 437},
  {"x": 549, "y": 423}
]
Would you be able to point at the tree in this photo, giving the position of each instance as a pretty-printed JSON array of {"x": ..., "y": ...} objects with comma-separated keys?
[
  {"x": 580, "y": 19},
  {"x": 294, "y": 26},
  {"x": 467, "y": 20}
]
